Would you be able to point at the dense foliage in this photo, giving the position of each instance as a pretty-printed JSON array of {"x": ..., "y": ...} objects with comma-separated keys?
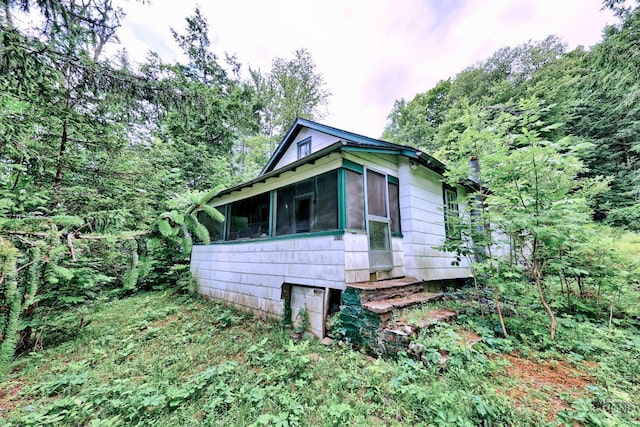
[
  {"x": 548, "y": 141},
  {"x": 591, "y": 95},
  {"x": 104, "y": 165}
]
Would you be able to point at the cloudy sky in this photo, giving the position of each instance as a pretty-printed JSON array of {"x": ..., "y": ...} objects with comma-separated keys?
[{"x": 371, "y": 52}]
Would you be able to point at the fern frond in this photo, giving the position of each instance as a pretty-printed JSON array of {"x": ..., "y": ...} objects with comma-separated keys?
[
  {"x": 213, "y": 213},
  {"x": 201, "y": 233},
  {"x": 187, "y": 244},
  {"x": 165, "y": 228},
  {"x": 67, "y": 220},
  {"x": 174, "y": 216},
  {"x": 211, "y": 194}
]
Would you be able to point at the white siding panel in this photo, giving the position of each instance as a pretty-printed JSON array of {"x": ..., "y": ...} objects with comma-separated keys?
[
  {"x": 356, "y": 257},
  {"x": 251, "y": 274},
  {"x": 356, "y": 260},
  {"x": 259, "y": 306},
  {"x": 319, "y": 140},
  {"x": 312, "y": 300},
  {"x": 423, "y": 225}
]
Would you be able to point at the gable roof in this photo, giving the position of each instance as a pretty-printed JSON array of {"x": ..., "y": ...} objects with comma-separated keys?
[
  {"x": 351, "y": 142},
  {"x": 348, "y": 141}
]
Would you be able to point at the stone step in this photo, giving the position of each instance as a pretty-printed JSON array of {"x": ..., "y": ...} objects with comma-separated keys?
[
  {"x": 388, "y": 305},
  {"x": 387, "y": 289},
  {"x": 435, "y": 316}
]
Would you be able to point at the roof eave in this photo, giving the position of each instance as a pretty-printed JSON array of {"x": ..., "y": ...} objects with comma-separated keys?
[{"x": 291, "y": 166}]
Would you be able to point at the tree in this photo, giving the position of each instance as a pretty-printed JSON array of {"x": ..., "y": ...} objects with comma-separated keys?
[
  {"x": 208, "y": 111},
  {"x": 416, "y": 123},
  {"x": 293, "y": 88},
  {"x": 497, "y": 82},
  {"x": 607, "y": 112},
  {"x": 531, "y": 192}
]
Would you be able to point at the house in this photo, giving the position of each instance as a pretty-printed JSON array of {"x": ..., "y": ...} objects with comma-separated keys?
[{"x": 331, "y": 209}]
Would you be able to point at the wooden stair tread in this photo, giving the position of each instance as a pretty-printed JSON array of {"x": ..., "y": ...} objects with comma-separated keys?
[
  {"x": 387, "y": 305},
  {"x": 384, "y": 284}
]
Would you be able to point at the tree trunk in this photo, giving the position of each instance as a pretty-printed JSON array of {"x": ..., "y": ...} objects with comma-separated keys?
[
  {"x": 496, "y": 297},
  {"x": 57, "y": 181},
  {"x": 552, "y": 318},
  {"x": 61, "y": 152}
]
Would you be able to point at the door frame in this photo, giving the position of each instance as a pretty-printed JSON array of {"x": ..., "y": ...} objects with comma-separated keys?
[{"x": 386, "y": 255}]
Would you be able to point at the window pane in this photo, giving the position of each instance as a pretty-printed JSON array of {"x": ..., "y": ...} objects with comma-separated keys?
[
  {"x": 378, "y": 236},
  {"x": 304, "y": 148},
  {"x": 355, "y": 200},
  {"x": 450, "y": 211},
  {"x": 216, "y": 229},
  {"x": 285, "y": 210},
  {"x": 376, "y": 194},
  {"x": 304, "y": 211},
  {"x": 308, "y": 206},
  {"x": 394, "y": 207},
  {"x": 249, "y": 218},
  {"x": 326, "y": 210}
]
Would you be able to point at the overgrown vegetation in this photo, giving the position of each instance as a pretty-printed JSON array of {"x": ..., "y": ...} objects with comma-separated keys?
[
  {"x": 161, "y": 359},
  {"x": 106, "y": 168}
]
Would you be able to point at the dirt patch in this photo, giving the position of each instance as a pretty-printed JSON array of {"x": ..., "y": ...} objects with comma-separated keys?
[
  {"x": 8, "y": 400},
  {"x": 540, "y": 384},
  {"x": 164, "y": 321},
  {"x": 556, "y": 374}
]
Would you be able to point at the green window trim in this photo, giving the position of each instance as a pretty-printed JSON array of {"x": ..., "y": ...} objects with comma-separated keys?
[
  {"x": 272, "y": 211},
  {"x": 274, "y": 238},
  {"x": 304, "y": 147},
  {"x": 342, "y": 199},
  {"x": 348, "y": 164}
]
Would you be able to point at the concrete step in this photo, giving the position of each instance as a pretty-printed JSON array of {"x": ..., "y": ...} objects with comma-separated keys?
[{"x": 390, "y": 304}]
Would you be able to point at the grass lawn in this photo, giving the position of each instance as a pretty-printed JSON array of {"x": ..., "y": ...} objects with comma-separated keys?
[{"x": 168, "y": 360}]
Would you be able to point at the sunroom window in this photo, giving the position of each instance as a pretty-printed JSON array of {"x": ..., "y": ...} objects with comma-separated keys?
[
  {"x": 308, "y": 206},
  {"x": 355, "y": 200},
  {"x": 216, "y": 229},
  {"x": 394, "y": 205},
  {"x": 249, "y": 218}
]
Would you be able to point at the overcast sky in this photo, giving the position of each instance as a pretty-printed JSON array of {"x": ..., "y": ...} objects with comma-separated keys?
[{"x": 371, "y": 52}]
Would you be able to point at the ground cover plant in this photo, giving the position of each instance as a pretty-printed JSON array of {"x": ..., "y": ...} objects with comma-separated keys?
[{"x": 165, "y": 359}]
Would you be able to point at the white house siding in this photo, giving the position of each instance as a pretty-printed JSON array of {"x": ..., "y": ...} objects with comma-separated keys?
[
  {"x": 356, "y": 257},
  {"x": 422, "y": 220},
  {"x": 250, "y": 275},
  {"x": 319, "y": 140}
]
